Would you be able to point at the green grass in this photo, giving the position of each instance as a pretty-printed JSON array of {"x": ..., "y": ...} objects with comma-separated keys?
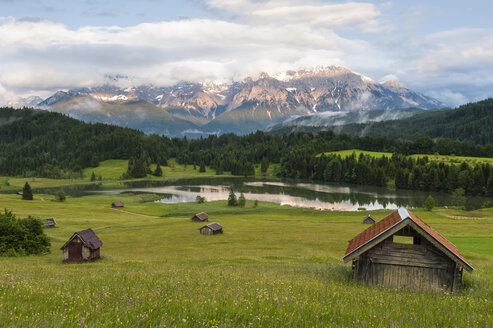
[
  {"x": 111, "y": 172},
  {"x": 110, "y": 169},
  {"x": 349, "y": 152},
  {"x": 274, "y": 266},
  {"x": 439, "y": 158}
]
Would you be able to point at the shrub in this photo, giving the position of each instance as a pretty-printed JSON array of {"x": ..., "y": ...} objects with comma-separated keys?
[
  {"x": 429, "y": 203},
  {"x": 22, "y": 236},
  {"x": 200, "y": 199},
  {"x": 60, "y": 196}
]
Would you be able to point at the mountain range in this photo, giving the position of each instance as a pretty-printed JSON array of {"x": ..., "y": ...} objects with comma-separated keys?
[{"x": 239, "y": 107}]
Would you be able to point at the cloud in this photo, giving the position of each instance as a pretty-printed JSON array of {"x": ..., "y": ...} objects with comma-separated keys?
[
  {"x": 44, "y": 55},
  {"x": 242, "y": 38},
  {"x": 362, "y": 16},
  {"x": 449, "y": 97}
]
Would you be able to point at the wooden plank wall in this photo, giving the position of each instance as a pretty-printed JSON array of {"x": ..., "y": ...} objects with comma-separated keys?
[{"x": 413, "y": 266}]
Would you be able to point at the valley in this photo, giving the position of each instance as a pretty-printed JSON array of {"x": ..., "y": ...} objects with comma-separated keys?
[{"x": 272, "y": 263}]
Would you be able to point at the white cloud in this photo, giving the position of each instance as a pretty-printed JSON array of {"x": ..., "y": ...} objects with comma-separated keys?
[
  {"x": 43, "y": 55},
  {"x": 245, "y": 38},
  {"x": 449, "y": 97},
  {"x": 362, "y": 16}
]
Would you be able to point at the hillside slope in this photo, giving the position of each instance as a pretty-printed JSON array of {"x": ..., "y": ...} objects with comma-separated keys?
[{"x": 471, "y": 122}]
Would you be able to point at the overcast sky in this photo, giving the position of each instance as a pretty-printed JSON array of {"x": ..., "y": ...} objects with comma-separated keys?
[{"x": 443, "y": 49}]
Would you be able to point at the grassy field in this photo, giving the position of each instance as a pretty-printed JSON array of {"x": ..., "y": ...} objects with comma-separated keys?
[
  {"x": 439, "y": 158},
  {"x": 274, "y": 266},
  {"x": 112, "y": 170}
]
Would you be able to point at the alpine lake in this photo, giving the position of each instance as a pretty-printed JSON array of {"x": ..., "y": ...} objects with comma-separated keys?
[{"x": 339, "y": 197}]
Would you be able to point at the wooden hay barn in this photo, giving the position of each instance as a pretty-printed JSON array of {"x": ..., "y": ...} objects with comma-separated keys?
[
  {"x": 211, "y": 229},
  {"x": 369, "y": 220},
  {"x": 200, "y": 217},
  {"x": 117, "y": 205},
  {"x": 50, "y": 222},
  {"x": 81, "y": 247},
  {"x": 403, "y": 251}
]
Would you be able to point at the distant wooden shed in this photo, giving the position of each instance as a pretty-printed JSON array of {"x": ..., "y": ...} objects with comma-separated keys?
[
  {"x": 403, "y": 251},
  {"x": 369, "y": 219},
  {"x": 20, "y": 193},
  {"x": 117, "y": 205},
  {"x": 211, "y": 229},
  {"x": 200, "y": 217},
  {"x": 50, "y": 222},
  {"x": 81, "y": 247}
]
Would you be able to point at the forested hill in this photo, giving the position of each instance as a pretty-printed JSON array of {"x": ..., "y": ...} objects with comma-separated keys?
[
  {"x": 42, "y": 143},
  {"x": 46, "y": 144},
  {"x": 472, "y": 122}
]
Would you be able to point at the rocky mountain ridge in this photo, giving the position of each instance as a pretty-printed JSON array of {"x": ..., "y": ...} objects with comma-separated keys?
[{"x": 256, "y": 102}]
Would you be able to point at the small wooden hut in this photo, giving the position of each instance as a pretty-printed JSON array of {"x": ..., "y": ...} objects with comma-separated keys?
[
  {"x": 117, "y": 205},
  {"x": 403, "y": 251},
  {"x": 20, "y": 193},
  {"x": 211, "y": 229},
  {"x": 369, "y": 219},
  {"x": 200, "y": 217},
  {"x": 50, "y": 223},
  {"x": 81, "y": 247}
]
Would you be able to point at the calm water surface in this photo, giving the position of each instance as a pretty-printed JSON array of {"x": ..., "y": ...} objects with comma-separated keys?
[{"x": 293, "y": 193}]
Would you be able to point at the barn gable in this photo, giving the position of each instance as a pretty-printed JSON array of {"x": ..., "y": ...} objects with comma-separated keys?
[
  {"x": 403, "y": 251},
  {"x": 392, "y": 224},
  {"x": 50, "y": 222},
  {"x": 82, "y": 246},
  {"x": 369, "y": 219}
]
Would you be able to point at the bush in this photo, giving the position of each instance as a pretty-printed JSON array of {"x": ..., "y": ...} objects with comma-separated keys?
[
  {"x": 200, "y": 199},
  {"x": 60, "y": 196},
  {"x": 22, "y": 236},
  {"x": 429, "y": 203}
]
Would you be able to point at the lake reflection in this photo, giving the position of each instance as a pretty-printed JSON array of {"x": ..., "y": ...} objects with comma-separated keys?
[{"x": 300, "y": 194}]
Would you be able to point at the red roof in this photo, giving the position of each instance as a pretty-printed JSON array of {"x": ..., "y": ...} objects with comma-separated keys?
[{"x": 392, "y": 220}]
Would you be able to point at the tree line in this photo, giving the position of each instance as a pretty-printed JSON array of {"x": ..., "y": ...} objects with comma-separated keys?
[{"x": 45, "y": 144}]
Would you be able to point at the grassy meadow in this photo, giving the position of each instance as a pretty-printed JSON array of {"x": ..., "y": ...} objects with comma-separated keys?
[
  {"x": 274, "y": 266},
  {"x": 439, "y": 158},
  {"x": 111, "y": 172}
]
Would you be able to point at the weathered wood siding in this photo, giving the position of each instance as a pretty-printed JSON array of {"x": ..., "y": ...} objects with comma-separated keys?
[
  {"x": 86, "y": 253},
  {"x": 368, "y": 220},
  {"x": 418, "y": 266},
  {"x": 206, "y": 231}
]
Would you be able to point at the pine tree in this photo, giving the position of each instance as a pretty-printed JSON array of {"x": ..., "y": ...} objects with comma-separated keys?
[
  {"x": 232, "y": 201},
  {"x": 264, "y": 165},
  {"x": 241, "y": 200},
  {"x": 158, "y": 172},
  {"x": 27, "y": 193},
  {"x": 489, "y": 186},
  {"x": 93, "y": 176},
  {"x": 202, "y": 167}
]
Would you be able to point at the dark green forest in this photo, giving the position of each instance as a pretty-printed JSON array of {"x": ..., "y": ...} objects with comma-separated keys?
[
  {"x": 46, "y": 144},
  {"x": 471, "y": 122}
]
